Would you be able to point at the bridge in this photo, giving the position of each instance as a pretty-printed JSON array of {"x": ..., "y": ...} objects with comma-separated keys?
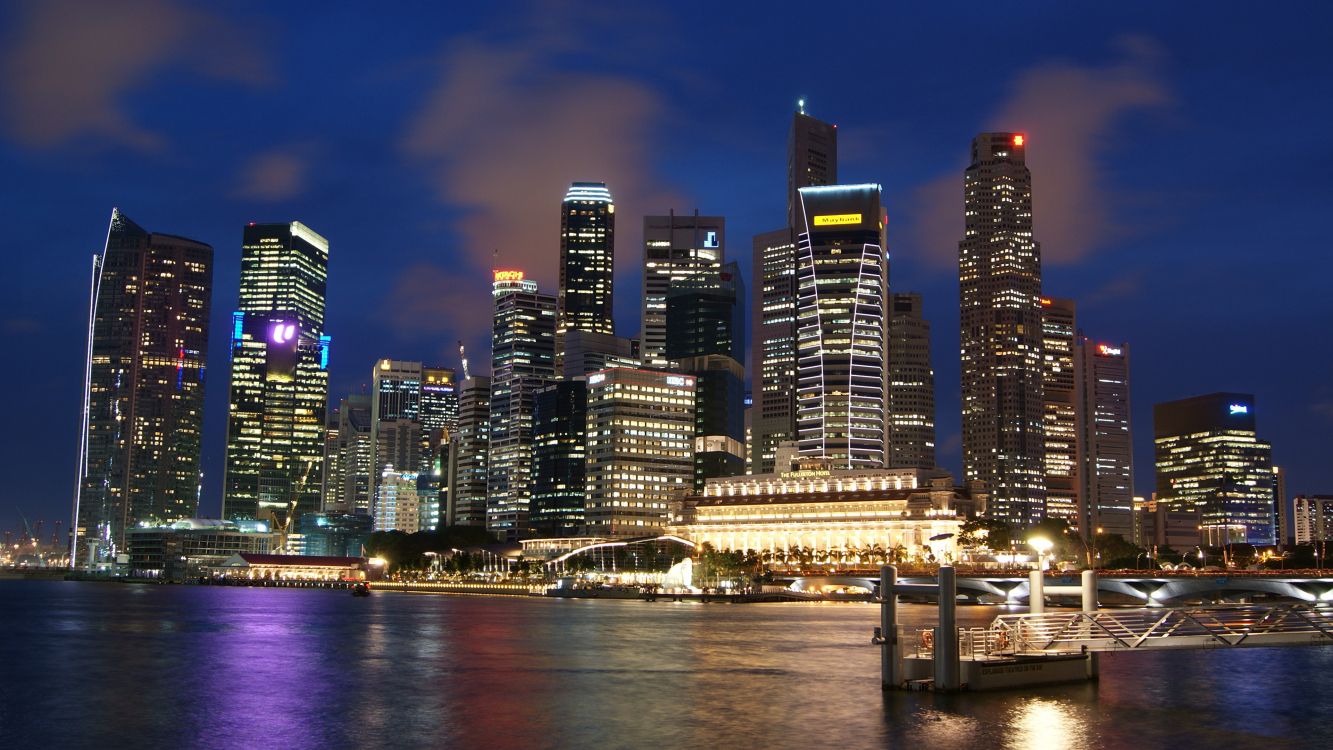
[
  {"x": 1147, "y": 589},
  {"x": 1037, "y": 648}
]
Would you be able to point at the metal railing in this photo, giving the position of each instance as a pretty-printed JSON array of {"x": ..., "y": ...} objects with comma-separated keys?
[{"x": 1225, "y": 626}]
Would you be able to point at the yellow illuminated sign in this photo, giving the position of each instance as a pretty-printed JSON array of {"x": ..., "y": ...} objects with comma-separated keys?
[
  {"x": 833, "y": 220},
  {"x": 508, "y": 275}
]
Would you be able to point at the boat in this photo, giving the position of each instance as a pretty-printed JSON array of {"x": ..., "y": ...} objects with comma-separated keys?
[{"x": 361, "y": 589}]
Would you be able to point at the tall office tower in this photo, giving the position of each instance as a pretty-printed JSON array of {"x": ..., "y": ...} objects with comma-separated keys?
[
  {"x": 842, "y": 289},
  {"x": 812, "y": 160},
  {"x": 279, "y": 375},
  {"x": 999, "y": 276},
  {"x": 335, "y": 473},
  {"x": 587, "y": 260},
  {"x": 522, "y": 363},
  {"x": 587, "y": 352},
  {"x": 640, "y": 440},
  {"x": 468, "y": 454},
  {"x": 348, "y": 485},
  {"x": 438, "y": 414},
  {"x": 1281, "y": 510},
  {"x": 397, "y": 507},
  {"x": 1105, "y": 444},
  {"x": 911, "y": 385},
  {"x": 559, "y": 454},
  {"x": 1060, "y": 412},
  {"x": 703, "y": 331},
  {"x": 1209, "y": 460},
  {"x": 438, "y": 408},
  {"x": 675, "y": 248},
  {"x": 395, "y": 418},
  {"x": 143, "y": 406}
]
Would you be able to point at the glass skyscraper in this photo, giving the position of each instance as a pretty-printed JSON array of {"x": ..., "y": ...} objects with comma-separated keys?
[
  {"x": 144, "y": 387},
  {"x": 675, "y": 248},
  {"x": 279, "y": 375},
  {"x": 587, "y": 260}
]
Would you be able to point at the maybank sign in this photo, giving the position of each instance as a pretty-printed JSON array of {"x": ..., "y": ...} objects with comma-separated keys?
[{"x": 835, "y": 220}]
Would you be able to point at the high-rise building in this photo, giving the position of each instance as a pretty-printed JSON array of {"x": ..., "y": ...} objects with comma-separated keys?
[
  {"x": 911, "y": 385},
  {"x": 842, "y": 275},
  {"x": 639, "y": 442},
  {"x": 143, "y": 406},
  {"x": 279, "y": 375},
  {"x": 587, "y": 260},
  {"x": 347, "y": 486},
  {"x": 522, "y": 363},
  {"x": 675, "y": 249},
  {"x": 1313, "y": 516},
  {"x": 395, "y": 432},
  {"x": 999, "y": 274},
  {"x": 1105, "y": 444},
  {"x": 1060, "y": 415},
  {"x": 703, "y": 332},
  {"x": 559, "y": 455},
  {"x": 439, "y": 421},
  {"x": 1209, "y": 459},
  {"x": 397, "y": 507},
  {"x": 587, "y": 352},
  {"x": 812, "y": 160},
  {"x": 1282, "y": 533},
  {"x": 468, "y": 454}
]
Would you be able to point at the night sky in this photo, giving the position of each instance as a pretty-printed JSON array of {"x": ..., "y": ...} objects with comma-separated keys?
[{"x": 1180, "y": 158}]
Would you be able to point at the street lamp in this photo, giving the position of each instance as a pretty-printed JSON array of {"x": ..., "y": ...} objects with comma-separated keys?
[{"x": 1042, "y": 545}]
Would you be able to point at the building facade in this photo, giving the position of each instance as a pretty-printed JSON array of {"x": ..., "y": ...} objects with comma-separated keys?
[
  {"x": 522, "y": 363},
  {"x": 395, "y": 401},
  {"x": 842, "y": 327},
  {"x": 1105, "y": 439},
  {"x": 640, "y": 439},
  {"x": 911, "y": 385},
  {"x": 347, "y": 482},
  {"x": 279, "y": 375},
  {"x": 143, "y": 405},
  {"x": 1313, "y": 516},
  {"x": 675, "y": 249},
  {"x": 397, "y": 505},
  {"x": 1061, "y": 411},
  {"x": 185, "y": 549},
  {"x": 469, "y": 454},
  {"x": 1209, "y": 459},
  {"x": 559, "y": 457},
  {"x": 587, "y": 261},
  {"x": 999, "y": 274}
]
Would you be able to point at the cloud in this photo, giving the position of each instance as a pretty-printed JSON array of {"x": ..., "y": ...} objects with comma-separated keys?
[
  {"x": 273, "y": 176},
  {"x": 69, "y": 65},
  {"x": 1117, "y": 290},
  {"x": 428, "y": 303},
  {"x": 1066, "y": 111},
  {"x": 509, "y": 124}
]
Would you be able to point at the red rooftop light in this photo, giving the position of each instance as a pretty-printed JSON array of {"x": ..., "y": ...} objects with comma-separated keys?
[{"x": 1018, "y": 140}]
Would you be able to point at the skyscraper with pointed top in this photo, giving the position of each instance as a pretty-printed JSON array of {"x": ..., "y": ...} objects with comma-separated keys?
[
  {"x": 999, "y": 275},
  {"x": 144, "y": 387}
]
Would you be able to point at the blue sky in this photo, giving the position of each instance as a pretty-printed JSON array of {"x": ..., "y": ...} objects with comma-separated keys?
[{"x": 1179, "y": 159}]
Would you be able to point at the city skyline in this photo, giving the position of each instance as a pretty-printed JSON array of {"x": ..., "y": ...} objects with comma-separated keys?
[{"x": 1121, "y": 304}]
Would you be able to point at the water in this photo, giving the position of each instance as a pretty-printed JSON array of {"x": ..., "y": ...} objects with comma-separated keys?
[{"x": 109, "y": 666}]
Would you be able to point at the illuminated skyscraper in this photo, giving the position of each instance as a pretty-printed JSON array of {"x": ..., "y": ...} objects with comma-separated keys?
[
  {"x": 279, "y": 375},
  {"x": 911, "y": 385},
  {"x": 347, "y": 485},
  {"x": 468, "y": 454},
  {"x": 144, "y": 386},
  {"x": 640, "y": 449},
  {"x": 522, "y": 363},
  {"x": 1060, "y": 416},
  {"x": 1105, "y": 445},
  {"x": 675, "y": 248},
  {"x": 999, "y": 274},
  {"x": 559, "y": 457},
  {"x": 395, "y": 432},
  {"x": 812, "y": 160},
  {"x": 842, "y": 273},
  {"x": 1210, "y": 460},
  {"x": 587, "y": 260}
]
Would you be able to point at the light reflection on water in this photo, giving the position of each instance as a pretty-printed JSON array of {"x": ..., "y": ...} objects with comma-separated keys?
[{"x": 166, "y": 666}]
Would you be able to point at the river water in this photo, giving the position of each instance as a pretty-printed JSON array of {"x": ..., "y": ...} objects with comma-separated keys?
[{"x": 86, "y": 665}]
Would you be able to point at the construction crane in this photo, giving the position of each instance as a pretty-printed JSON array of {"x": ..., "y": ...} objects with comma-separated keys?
[{"x": 463, "y": 356}]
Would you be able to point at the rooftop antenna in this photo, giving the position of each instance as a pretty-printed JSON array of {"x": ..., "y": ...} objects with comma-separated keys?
[{"x": 800, "y": 106}]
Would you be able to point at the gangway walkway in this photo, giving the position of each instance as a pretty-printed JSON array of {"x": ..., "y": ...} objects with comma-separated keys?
[{"x": 1224, "y": 626}]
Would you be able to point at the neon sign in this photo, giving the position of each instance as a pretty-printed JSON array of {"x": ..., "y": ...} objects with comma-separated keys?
[
  {"x": 834, "y": 220},
  {"x": 508, "y": 275},
  {"x": 1018, "y": 140},
  {"x": 281, "y": 333},
  {"x": 1108, "y": 351},
  {"x": 1239, "y": 409}
]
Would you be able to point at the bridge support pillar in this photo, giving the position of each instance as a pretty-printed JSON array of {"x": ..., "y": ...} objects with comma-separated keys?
[
  {"x": 890, "y": 650},
  {"x": 1089, "y": 591},
  {"x": 1036, "y": 592},
  {"x": 947, "y": 669}
]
